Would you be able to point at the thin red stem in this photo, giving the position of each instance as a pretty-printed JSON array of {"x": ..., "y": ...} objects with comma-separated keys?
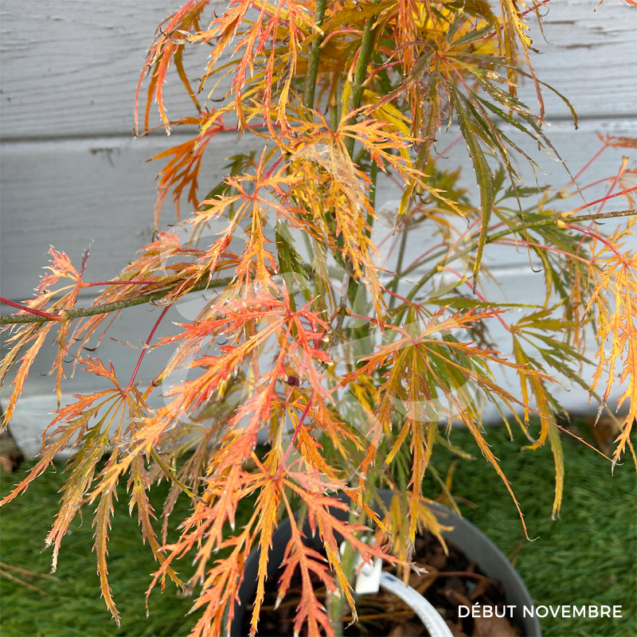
[
  {"x": 97, "y": 283},
  {"x": 395, "y": 328},
  {"x": 515, "y": 242},
  {"x": 378, "y": 69},
  {"x": 618, "y": 176},
  {"x": 400, "y": 298},
  {"x": 273, "y": 168},
  {"x": 362, "y": 317},
  {"x": 146, "y": 344},
  {"x": 30, "y": 310},
  {"x": 340, "y": 32},
  {"x": 592, "y": 203},
  {"x": 423, "y": 256},
  {"x": 597, "y": 237},
  {"x": 454, "y": 246},
  {"x": 593, "y": 183},
  {"x": 586, "y": 166},
  {"x": 446, "y": 150},
  {"x": 480, "y": 296}
]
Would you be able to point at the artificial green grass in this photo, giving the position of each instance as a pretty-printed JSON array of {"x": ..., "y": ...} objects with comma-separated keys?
[
  {"x": 589, "y": 556},
  {"x": 74, "y": 607}
]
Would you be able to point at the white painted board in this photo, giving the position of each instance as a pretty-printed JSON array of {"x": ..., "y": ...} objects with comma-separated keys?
[
  {"x": 101, "y": 192},
  {"x": 70, "y": 67}
]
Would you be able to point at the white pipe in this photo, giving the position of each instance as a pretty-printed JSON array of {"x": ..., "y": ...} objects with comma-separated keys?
[{"x": 429, "y": 616}]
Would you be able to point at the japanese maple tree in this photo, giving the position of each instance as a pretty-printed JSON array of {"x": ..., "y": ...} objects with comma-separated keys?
[{"x": 352, "y": 367}]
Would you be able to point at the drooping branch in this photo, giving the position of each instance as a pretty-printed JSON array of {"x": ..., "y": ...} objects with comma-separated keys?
[{"x": 116, "y": 306}]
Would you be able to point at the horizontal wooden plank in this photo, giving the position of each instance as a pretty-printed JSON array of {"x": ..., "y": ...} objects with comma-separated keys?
[
  {"x": 579, "y": 58},
  {"x": 101, "y": 192},
  {"x": 70, "y": 67},
  {"x": 80, "y": 78},
  {"x": 76, "y": 193}
]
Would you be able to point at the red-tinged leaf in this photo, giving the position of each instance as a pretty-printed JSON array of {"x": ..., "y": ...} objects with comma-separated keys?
[
  {"x": 268, "y": 503},
  {"x": 615, "y": 301},
  {"x": 23, "y": 371},
  {"x": 298, "y": 556},
  {"x": 320, "y": 515},
  {"x": 166, "y": 45},
  {"x": 138, "y": 485},
  {"x": 181, "y": 173},
  {"x": 53, "y": 448}
]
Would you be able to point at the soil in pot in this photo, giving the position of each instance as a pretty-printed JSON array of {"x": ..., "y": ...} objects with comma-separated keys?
[{"x": 451, "y": 581}]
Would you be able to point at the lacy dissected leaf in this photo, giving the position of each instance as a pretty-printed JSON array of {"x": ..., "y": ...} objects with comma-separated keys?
[
  {"x": 102, "y": 524},
  {"x": 431, "y": 378},
  {"x": 56, "y": 293},
  {"x": 204, "y": 530},
  {"x": 299, "y": 557},
  {"x": 322, "y": 517},
  {"x": 544, "y": 404},
  {"x": 166, "y": 47},
  {"x": 181, "y": 172},
  {"x": 75, "y": 489},
  {"x": 615, "y": 300},
  {"x": 139, "y": 483},
  {"x": 268, "y": 502}
]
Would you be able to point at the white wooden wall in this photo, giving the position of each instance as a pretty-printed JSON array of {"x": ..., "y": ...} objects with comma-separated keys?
[{"x": 72, "y": 174}]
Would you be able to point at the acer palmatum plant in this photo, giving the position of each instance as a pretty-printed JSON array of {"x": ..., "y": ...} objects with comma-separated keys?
[{"x": 353, "y": 366}]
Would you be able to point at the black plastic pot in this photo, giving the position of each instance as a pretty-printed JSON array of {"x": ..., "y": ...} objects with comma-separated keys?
[{"x": 468, "y": 538}]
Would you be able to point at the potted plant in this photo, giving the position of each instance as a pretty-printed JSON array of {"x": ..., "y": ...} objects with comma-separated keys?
[{"x": 345, "y": 364}]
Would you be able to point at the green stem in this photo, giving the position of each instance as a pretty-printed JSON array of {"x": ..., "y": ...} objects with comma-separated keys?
[
  {"x": 356, "y": 97},
  {"x": 107, "y": 308},
  {"x": 286, "y": 269},
  {"x": 360, "y": 72},
  {"x": 335, "y": 602},
  {"x": 399, "y": 263},
  {"x": 522, "y": 226},
  {"x": 372, "y": 191},
  {"x": 342, "y": 307},
  {"x": 334, "y": 116},
  {"x": 315, "y": 53}
]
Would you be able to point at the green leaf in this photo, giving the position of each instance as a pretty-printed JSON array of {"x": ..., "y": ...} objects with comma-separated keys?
[
  {"x": 484, "y": 178},
  {"x": 290, "y": 263}
]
